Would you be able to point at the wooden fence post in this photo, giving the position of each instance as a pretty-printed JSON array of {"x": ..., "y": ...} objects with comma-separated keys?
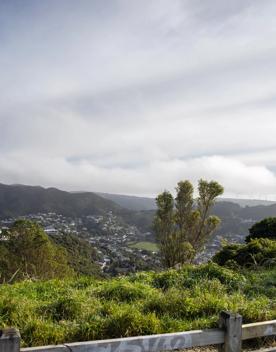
[
  {"x": 9, "y": 340},
  {"x": 232, "y": 324}
]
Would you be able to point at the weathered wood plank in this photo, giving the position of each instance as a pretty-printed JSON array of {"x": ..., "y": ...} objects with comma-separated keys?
[
  {"x": 232, "y": 326},
  {"x": 151, "y": 343},
  {"x": 53, "y": 348},
  {"x": 265, "y": 328},
  {"x": 155, "y": 343},
  {"x": 9, "y": 340}
]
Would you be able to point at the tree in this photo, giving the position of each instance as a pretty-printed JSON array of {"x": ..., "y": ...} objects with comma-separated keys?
[
  {"x": 265, "y": 228},
  {"x": 27, "y": 252},
  {"x": 164, "y": 227},
  {"x": 182, "y": 226}
]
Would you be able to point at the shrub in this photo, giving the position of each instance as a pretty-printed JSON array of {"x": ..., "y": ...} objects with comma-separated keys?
[
  {"x": 263, "y": 229},
  {"x": 166, "y": 279},
  {"x": 258, "y": 252},
  {"x": 65, "y": 308},
  {"x": 126, "y": 321},
  {"x": 60, "y": 311},
  {"x": 124, "y": 291}
]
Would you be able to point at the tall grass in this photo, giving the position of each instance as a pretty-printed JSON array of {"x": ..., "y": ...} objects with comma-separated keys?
[{"x": 59, "y": 311}]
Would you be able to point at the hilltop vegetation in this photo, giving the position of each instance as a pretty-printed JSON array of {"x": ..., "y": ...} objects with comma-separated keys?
[
  {"x": 59, "y": 311},
  {"x": 82, "y": 256},
  {"x": 263, "y": 229},
  {"x": 26, "y": 251},
  {"x": 258, "y": 252}
]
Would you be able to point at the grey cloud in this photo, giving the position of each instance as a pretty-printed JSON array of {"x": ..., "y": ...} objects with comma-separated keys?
[{"x": 130, "y": 97}]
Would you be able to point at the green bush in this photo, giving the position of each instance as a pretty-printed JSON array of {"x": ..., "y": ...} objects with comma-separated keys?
[
  {"x": 258, "y": 252},
  {"x": 191, "y": 275},
  {"x": 65, "y": 308},
  {"x": 124, "y": 291},
  {"x": 125, "y": 321},
  {"x": 265, "y": 228}
]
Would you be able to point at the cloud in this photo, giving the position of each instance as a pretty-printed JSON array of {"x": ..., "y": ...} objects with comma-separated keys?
[
  {"x": 238, "y": 178},
  {"x": 133, "y": 97}
]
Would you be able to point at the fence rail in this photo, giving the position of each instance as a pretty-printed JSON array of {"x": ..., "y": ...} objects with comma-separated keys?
[{"x": 228, "y": 337}]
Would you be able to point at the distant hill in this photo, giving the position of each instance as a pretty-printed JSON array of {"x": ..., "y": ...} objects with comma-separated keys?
[
  {"x": 131, "y": 202},
  {"x": 147, "y": 203},
  {"x": 16, "y": 200},
  {"x": 247, "y": 202}
]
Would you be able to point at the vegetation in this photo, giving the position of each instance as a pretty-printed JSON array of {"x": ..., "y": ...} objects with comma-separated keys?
[
  {"x": 181, "y": 227},
  {"x": 81, "y": 254},
  {"x": 59, "y": 311},
  {"x": 27, "y": 252},
  {"x": 258, "y": 252},
  {"x": 263, "y": 229},
  {"x": 260, "y": 249}
]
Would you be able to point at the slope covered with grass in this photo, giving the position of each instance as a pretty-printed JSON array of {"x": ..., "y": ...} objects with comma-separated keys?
[{"x": 59, "y": 311}]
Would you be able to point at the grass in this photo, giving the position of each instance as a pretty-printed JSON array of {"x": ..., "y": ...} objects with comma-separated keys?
[
  {"x": 148, "y": 246},
  {"x": 60, "y": 311}
]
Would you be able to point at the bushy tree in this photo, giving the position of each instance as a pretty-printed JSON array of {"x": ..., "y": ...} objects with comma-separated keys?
[
  {"x": 27, "y": 252},
  {"x": 181, "y": 225},
  {"x": 260, "y": 252},
  {"x": 263, "y": 229}
]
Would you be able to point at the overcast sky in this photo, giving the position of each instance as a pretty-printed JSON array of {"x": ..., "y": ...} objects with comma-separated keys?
[{"x": 132, "y": 96}]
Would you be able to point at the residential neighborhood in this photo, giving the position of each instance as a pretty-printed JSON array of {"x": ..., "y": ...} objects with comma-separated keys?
[{"x": 108, "y": 234}]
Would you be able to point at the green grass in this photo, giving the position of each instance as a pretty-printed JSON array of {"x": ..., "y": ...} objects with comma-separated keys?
[
  {"x": 148, "y": 246},
  {"x": 60, "y": 311}
]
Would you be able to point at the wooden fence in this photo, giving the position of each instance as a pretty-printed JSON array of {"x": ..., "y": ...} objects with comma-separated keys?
[{"x": 228, "y": 337}]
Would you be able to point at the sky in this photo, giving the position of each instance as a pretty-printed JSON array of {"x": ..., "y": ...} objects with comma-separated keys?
[{"x": 131, "y": 97}]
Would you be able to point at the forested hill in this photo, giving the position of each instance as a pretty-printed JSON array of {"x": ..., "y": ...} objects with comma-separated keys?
[
  {"x": 131, "y": 202},
  {"x": 16, "y": 200}
]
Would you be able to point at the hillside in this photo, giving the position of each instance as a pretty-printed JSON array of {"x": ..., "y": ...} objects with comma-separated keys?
[
  {"x": 131, "y": 202},
  {"x": 16, "y": 200},
  {"x": 68, "y": 310}
]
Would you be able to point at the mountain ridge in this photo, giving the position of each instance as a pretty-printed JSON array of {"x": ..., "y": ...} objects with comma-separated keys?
[
  {"x": 20, "y": 200},
  {"x": 148, "y": 203},
  {"x": 17, "y": 200}
]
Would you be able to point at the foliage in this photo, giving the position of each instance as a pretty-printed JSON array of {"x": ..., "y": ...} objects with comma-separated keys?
[
  {"x": 27, "y": 252},
  {"x": 85, "y": 308},
  {"x": 263, "y": 229},
  {"x": 81, "y": 254},
  {"x": 181, "y": 227},
  {"x": 258, "y": 252}
]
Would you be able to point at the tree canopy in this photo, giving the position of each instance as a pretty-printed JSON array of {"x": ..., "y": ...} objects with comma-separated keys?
[
  {"x": 265, "y": 228},
  {"x": 27, "y": 252},
  {"x": 258, "y": 252},
  {"x": 183, "y": 225}
]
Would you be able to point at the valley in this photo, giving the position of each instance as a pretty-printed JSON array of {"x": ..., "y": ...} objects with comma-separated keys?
[{"x": 123, "y": 237}]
